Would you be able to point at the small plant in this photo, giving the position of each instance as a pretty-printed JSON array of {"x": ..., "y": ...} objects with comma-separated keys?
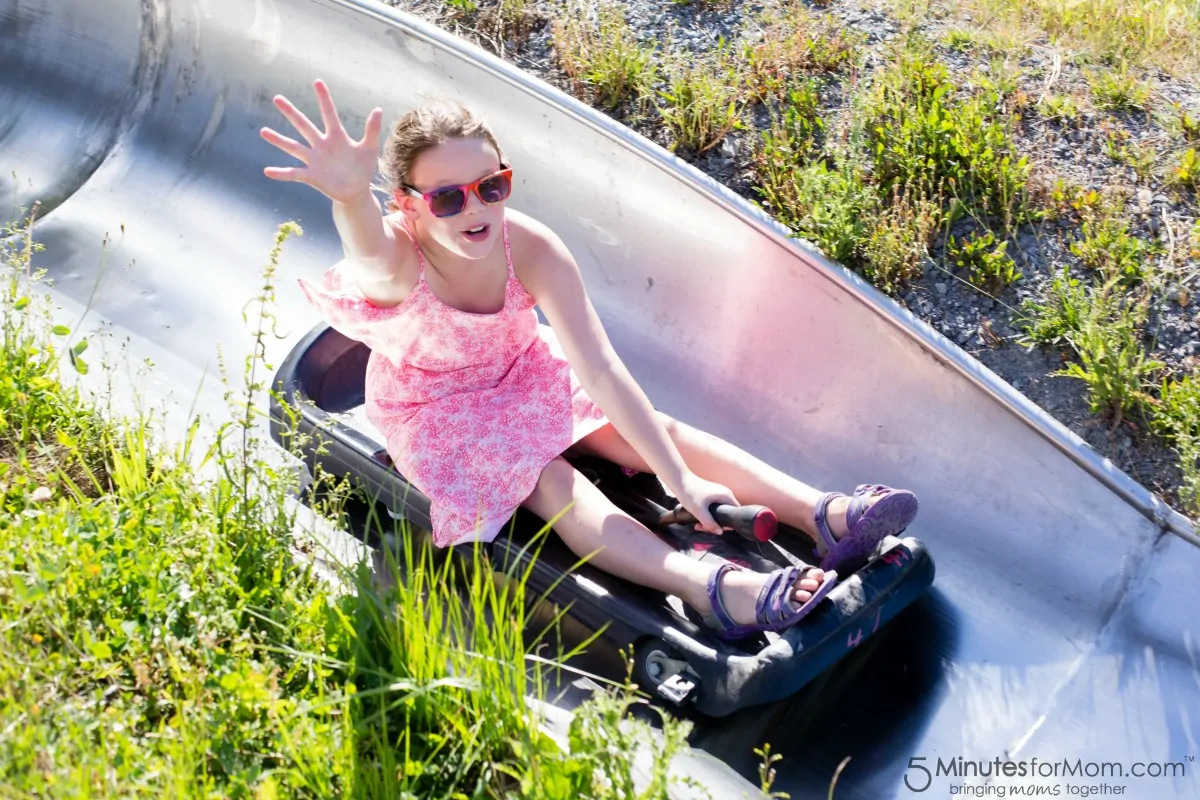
[
  {"x": 792, "y": 41},
  {"x": 1103, "y": 327},
  {"x": 1186, "y": 173},
  {"x": 959, "y": 40},
  {"x": 1176, "y": 419},
  {"x": 462, "y": 8},
  {"x": 920, "y": 133},
  {"x": 1060, "y": 107},
  {"x": 703, "y": 101},
  {"x": 1117, "y": 90},
  {"x": 1124, "y": 150},
  {"x": 1195, "y": 237},
  {"x": 793, "y": 137},
  {"x": 508, "y": 21},
  {"x": 603, "y": 59},
  {"x": 829, "y": 206},
  {"x": 1189, "y": 126},
  {"x": 898, "y": 243},
  {"x": 1059, "y": 313},
  {"x": 986, "y": 262},
  {"x": 1106, "y": 246}
]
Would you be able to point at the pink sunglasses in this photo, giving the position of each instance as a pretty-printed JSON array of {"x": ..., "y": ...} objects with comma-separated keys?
[{"x": 450, "y": 200}]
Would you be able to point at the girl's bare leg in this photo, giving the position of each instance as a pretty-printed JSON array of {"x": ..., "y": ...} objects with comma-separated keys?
[
  {"x": 752, "y": 481},
  {"x": 623, "y": 547}
]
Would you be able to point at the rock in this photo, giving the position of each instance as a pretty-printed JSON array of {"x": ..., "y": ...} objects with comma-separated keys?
[
  {"x": 940, "y": 288},
  {"x": 1145, "y": 197},
  {"x": 1162, "y": 198},
  {"x": 729, "y": 147},
  {"x": 41, "y": 494}
]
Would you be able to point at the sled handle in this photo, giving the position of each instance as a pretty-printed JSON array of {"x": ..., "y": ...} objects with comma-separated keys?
[{"x": 756, "y": 523}]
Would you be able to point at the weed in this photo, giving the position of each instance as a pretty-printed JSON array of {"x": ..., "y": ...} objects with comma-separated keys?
[
  {"x": 1117, "y": 90},
  {"x": 829, "y": 206},
  {"x": 508, "y": 21},
  {"x": 1194, "y": 235},
  {"x": 460, "y": 9},
  {"x": 1106, "y": 246},
  {"x": 1186, "y": 174},
  {"x": 960, "y": 40},
  {"x": 605, "y": 62},
  {"x": 898, "y": 242},
  {"x": 919, "y": 134},
  {"x": 986, "y": 262},
  {"x": 1103, "y": 328},
  {"x": 792, "y": 41},
  {"x": 1114, "y": 366},
  {"x": 1141, "y": 158},
  {"x": 792, "y": 138},
  {"x": 1189, "y": 126},
  {"x": 1059, "y": 313},
  {"x": 1177, "y": 419},
  {"x": 703, "y": 100},
  {"x": 163, "y": 638},
  {"x": 1060, "y": 107}
]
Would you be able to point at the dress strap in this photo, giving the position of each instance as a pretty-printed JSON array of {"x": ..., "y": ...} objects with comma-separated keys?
[
  {"x": 416, "y": 246},
  {"x": 508, "y": 251}
]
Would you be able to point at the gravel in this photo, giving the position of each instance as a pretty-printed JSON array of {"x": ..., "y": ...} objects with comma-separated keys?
[{"x": 1075, "y": 151}]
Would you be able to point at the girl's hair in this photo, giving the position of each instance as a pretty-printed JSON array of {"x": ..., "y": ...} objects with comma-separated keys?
[{"x": 426, "y": 126}]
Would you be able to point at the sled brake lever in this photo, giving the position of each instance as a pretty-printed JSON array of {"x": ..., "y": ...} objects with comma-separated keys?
[{"x": 757, "y": 523}]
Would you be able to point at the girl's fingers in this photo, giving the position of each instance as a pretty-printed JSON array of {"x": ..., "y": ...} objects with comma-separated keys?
[
  {"x": 289, "y": 146},
  {"x": 286, "y": 174},
  {"x": 374, "y": 124},
  {"x": 300, "y": 122},
  {"x": 329, "y": 113}
]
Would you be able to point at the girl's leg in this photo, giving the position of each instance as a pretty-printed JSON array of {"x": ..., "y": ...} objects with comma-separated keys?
[
  {"x": 623, "y": 547},
  {"x": 752, "y": 481}
]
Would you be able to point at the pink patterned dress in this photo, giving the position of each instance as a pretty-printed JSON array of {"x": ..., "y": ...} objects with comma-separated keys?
[{"x": 472, "y": 406}]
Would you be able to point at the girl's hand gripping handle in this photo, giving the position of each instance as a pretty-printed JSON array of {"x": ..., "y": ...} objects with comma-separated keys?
[{"x": 335, "y": 165}]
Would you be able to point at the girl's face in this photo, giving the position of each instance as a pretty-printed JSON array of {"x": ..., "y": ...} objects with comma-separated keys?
[{"x": 456, "y": 162}]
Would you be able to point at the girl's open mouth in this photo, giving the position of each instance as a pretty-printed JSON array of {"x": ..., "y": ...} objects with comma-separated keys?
[{"x": 478, "y": 233}]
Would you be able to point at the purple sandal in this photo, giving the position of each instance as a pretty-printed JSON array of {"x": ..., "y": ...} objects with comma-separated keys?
[
  {"x": 773, "y": 609},
  {"x": 866, "y": 523}
]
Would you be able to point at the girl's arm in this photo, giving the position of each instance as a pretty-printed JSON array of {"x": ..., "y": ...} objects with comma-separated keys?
[
  {"x": 367, "y": 240},
  {"x": 553, "y": 278}
]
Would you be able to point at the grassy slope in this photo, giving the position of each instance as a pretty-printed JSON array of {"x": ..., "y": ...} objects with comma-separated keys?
[{"x": 160, "y": 638}]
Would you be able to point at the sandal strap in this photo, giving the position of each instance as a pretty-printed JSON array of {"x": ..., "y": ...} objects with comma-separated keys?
[
  {"x": 822, "y": 523},
  {"x": 860, "y": 503},
  {"x": 774, "y": 603},
  {"x": 714, "y": 596}
]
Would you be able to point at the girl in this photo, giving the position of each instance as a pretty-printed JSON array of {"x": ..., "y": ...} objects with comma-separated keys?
[{"x": 478, "y": 402}]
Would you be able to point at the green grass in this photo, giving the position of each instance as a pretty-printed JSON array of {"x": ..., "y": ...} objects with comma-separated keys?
[
  {"x": 1105, "y": 245},
  {"x": 1109, "y": 31},
  {"x": 921, "y": 131},
  {"x": 606, "y": 64},
  {"x": 790, "y": 44},
  {"x": 704, "y": 99},
  {"x": 1118, "y": 90},
  {"x": 985, "y": 261},
  {"x": 162, "y": 637}
]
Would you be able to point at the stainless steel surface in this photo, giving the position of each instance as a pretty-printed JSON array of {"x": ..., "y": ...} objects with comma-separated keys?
[{"x": 1063, "y": 621}]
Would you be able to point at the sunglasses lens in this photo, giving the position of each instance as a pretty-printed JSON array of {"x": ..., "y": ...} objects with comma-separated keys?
[
  {"x": 447, "y": 203},
  {"x": 495, "y": 189}
]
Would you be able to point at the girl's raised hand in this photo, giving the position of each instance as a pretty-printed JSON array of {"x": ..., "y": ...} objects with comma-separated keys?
[{"x": 335, "y": 165}]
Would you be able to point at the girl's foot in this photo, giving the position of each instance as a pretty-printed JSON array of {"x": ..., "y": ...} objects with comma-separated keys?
[
  {"x": 739, "y": 602},
  {"x": 849, "y": 528}
]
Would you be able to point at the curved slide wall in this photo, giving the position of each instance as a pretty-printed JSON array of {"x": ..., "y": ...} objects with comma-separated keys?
[{"x": 1063, "y": 623}]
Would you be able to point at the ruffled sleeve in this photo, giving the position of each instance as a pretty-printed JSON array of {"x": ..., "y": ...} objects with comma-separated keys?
[{"x": 346, "y": 309}]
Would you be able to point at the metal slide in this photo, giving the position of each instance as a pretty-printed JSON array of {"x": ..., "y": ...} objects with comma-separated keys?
[{"x": 1063, "y": 622}]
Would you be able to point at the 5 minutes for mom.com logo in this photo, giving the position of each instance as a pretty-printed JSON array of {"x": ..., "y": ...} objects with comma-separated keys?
[{"x": 919, "y": 775}]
